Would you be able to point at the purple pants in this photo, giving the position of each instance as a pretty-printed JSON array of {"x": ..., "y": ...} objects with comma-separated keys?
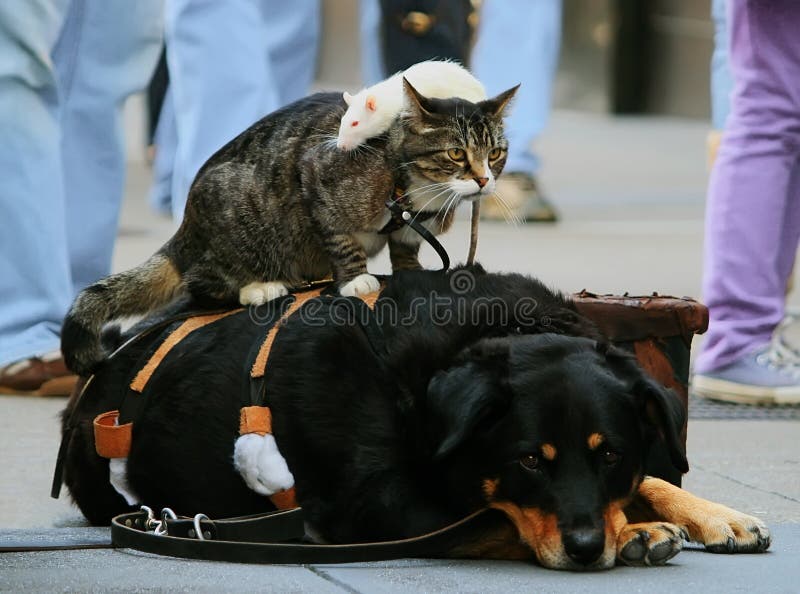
[{"x": 753, "y": 210}]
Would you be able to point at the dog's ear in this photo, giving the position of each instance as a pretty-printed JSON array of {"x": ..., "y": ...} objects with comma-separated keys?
[
  {"x": 462, "y": 397},
  {"x": 662, "y": 408},
  {"x": 659, "y": 407}
]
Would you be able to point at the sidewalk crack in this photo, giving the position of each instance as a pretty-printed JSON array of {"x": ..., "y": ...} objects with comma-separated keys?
[
  {"x": 329, "y": 578},
  {"x": 744, "y": 484}
]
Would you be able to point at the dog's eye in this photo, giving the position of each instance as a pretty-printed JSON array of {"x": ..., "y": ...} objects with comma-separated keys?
[
  {"x": 611, "y": 458},
  {"x": 530, "y": 462}
]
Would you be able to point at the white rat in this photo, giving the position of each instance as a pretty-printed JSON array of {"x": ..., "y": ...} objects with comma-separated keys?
[{"x": 370, "y": 111}]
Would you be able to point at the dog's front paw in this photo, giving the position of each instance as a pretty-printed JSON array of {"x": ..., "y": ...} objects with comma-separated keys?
[
  {"x": 260, "y": 293},
  {"x": 718, "y": 527},
  {"x": 725, "y": 530},
  {"x": 261, "y": 465},
  {"x": 652, "y": 543},
  {"x": 363, "y": 284}
]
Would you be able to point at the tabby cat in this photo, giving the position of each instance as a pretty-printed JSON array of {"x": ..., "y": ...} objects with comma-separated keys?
[{"x": 279, "y": 205}]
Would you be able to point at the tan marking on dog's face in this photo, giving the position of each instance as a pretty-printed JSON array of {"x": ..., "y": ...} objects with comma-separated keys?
[
  {"x": 490, "y": 488},
  {"x": 595, "y": 440},
  {"x": 539, "y": 531},
  {"x": 549, "y": 451}
]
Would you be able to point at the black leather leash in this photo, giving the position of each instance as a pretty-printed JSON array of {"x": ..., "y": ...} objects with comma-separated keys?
[
  {"x": 403, "y": 215},
  {"x": 278, "y": 537}
]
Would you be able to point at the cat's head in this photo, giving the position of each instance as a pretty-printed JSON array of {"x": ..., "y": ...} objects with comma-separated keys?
[{"x": 453, "y": 148}]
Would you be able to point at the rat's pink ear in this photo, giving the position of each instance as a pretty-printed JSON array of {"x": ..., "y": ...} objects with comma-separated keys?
[
  {"x": 348, "y": 98},
  {"x": 371, "y": 103}
]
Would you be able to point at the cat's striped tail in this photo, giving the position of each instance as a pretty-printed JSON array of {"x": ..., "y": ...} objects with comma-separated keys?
[{"x": 134, "y": 292}]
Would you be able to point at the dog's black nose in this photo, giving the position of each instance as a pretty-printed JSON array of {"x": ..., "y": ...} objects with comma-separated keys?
[{"x": 584, "y": 545}]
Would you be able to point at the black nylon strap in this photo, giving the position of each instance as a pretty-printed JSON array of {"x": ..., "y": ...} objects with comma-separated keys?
[{"x": 262, "y": 539}]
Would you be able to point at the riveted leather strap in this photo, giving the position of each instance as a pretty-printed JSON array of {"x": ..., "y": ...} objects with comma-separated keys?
[
  {"x": 187, "y": 327},
  {"x": 260, "y": 364},
  {"x": 111, "y": 440}
]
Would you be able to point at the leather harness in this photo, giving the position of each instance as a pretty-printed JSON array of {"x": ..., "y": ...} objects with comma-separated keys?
[{"x": 113, "y": 440}]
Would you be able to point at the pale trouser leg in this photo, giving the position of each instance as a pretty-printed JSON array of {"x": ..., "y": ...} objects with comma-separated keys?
[
  {"x": 370, "y": 38},
  {"x": 753, "y": 211},
  {"x": 292, "y": 32},
  {"x": 721, "y": 79},
  {"x": 518, "y": 42},
  {"x": 35, "y": 284},
  {"x": 107, "y": 51},
  {"x": 221, "y": 80}
]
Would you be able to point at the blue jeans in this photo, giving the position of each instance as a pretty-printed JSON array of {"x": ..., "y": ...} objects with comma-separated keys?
[
  {"x": 230, "y": 63},
  {"x": 66, "y": 67},
  {"x": 518, "y": 42}
]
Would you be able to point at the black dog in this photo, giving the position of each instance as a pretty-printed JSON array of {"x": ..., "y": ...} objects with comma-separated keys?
[{"x": 457, "y": 392}]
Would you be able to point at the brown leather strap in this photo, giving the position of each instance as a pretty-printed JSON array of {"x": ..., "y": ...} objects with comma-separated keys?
[
  {"x": 187, "y": 327},
  {"x": 110, "y": 439},
  {"x": 276, "y": 537}
]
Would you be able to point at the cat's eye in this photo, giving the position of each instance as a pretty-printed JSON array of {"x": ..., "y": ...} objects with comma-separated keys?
[
  {"x": 495, "y": 153},
  {"x": 456, "y": 154},
  {"x": 354, "y": 123}
]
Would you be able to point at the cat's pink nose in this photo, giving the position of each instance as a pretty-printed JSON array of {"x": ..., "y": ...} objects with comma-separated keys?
[{"x": 481, "y": 181}]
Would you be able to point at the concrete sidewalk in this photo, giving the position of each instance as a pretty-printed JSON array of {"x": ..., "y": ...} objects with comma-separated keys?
[{"x": 631, "y": 192}]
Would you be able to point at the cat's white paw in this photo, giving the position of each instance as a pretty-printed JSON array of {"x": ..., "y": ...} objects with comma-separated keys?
[
  {"x": 360, "y": 285},
  {"x": 261, "y": 464},
  {"x": 260, "y": 293}
]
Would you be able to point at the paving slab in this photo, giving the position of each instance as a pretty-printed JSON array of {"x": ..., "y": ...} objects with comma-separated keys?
[{"x": 125, "y": 570}]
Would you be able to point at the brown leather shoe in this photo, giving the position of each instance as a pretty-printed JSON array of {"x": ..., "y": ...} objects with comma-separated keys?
[{"x": 37, "y": 377}]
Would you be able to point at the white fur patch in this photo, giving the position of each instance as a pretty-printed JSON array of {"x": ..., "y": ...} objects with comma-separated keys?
[
  {"x": 360, "y": 285},
  {"x": 261, "y": 465},
  {"x": 260, "y": 293},
  {"x": 118, "y": 477}
]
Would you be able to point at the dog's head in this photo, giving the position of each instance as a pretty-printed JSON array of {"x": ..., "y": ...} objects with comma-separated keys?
[{"x": 553, "y": 431}]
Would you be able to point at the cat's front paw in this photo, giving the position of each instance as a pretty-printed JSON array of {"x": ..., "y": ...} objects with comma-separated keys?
[
  {"x": 363, "y": 284},
  {"x": 260, "y": 293},
  {"x": 261, "y": 464}
]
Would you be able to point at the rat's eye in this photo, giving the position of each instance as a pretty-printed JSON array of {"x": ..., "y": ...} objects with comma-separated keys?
[
  {"x": 495, "y": 153},
  {"x": 354, "y": 123},
  {"x": 456, "y": 154}
]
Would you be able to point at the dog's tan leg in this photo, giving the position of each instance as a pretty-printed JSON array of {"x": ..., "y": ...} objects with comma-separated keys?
[
  {"x": 720, "y": 528},
  {"x": 649, "y": 543}
]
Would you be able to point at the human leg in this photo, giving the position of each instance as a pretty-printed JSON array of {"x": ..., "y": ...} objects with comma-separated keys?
[
  {"x": 752, "y": 221},
  {"x": 107, "y": 51},
  {"x": 221, "y": 80},
  {"x": 35, "y": 284},
  {"x": 369, "y": 36},
  {"x": 531, "y": 31},
  {"x": 292, "y": 31}
]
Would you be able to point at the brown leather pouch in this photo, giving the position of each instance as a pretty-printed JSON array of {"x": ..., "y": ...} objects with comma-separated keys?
[{"x": 658, "y": 330}]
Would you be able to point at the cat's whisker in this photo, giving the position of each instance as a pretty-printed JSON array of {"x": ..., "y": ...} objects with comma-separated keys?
[
  {"x": 420, "y": 210},
  {"x": 452, "y": 202},
  {"x": 507, "y": 211}
]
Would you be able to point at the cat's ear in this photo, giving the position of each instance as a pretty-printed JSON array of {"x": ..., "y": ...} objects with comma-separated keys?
[
  {"x": 497, "y": 105},
  {"x": 348, "y": 98},
  {"x": 416, "y": 100},
  {"x": 371, "y": 102}
]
